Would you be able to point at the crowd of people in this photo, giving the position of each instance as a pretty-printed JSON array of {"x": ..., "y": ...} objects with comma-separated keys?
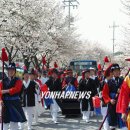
[{"x": 22, "y": 101}]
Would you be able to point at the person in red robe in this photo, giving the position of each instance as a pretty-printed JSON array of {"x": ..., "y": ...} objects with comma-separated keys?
[
  {"x": 69, "y": 79},
  {"x": 123, "y": 101},
  {"x": 110, "y": 95},
  {"x": 10, "y": 89},
  {"x": 107, "y": 76}
]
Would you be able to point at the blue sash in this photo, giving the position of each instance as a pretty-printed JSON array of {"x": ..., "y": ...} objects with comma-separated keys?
[
  {"x": 11, "y": 98},
  {"x": 48, "y": 101},
  {"x": 112, "y": 95},
  {"x": 70, "y": 88}
]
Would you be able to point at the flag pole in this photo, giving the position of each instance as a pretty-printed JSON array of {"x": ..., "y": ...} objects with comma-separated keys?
[{"x": 4, "y": 58}]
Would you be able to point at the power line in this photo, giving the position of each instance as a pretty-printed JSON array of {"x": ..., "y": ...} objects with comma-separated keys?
[
  {"x": 114, "y": 26},
  {"x": 70, "y": 3}
]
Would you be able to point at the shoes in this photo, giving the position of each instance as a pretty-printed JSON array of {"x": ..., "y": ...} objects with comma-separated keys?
[
  {"x": 84, "y": 118},
  {"x": 56, "y": 122},
  {"x": 87, "y": 120},
  {"x": 29, "y": 128}
]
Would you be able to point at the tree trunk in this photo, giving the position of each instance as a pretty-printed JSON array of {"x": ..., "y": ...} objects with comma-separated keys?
[
  {"x": 48, "y": 64},
  {"x": 26, "y": 63}
]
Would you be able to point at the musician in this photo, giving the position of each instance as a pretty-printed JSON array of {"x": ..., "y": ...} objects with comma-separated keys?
[
  {"x": 87, "y": 84},
  {"x": 54, "y": 84},
  {"x": 69, "y": 79},
  {"x": 28, "y": 104},
  {"x": 107, "y": 76},
  {"x": 96, "y": 82},
  {"x": 33, "y": 77},
  {"x": 110, "y": 96},
  {"x": 124, "y": 101},
  {"x": 10, "y": 90}
]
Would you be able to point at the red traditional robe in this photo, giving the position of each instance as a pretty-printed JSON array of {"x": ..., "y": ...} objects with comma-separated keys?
[
  {"x": 124, "y": 96},
  {"x": 124, "y": 99},
  {"x": 105, "y": 94},
  {"x": 15, "y": 89}
]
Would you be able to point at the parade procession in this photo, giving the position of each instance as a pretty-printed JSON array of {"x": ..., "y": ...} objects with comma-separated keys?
[
  {"x": 64, "y": 64},
  {"x": 99, "y": 92}
]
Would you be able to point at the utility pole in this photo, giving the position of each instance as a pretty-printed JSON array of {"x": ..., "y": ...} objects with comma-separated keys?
[
  {"x": 114, "y": 26},
  {"x": 69, "y": 4}
]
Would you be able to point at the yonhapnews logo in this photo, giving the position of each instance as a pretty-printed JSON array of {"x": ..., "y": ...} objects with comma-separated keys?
[{"x": 67, "y": 95}]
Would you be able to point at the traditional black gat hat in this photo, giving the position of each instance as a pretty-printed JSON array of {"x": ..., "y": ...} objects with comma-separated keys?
[
  {"x": 115, "y": 66},
  {"x": 11, "y": 66}
]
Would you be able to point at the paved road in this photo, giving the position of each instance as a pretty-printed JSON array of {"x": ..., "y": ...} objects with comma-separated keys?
[{"x": 66, "y": 123}]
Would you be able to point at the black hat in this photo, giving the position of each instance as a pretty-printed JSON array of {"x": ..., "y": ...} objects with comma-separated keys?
[
  {"x": 11, "y": 66},
  {"x": 85, "y": 71},
  {"x": 55, "y": 71},
  {"x": 44, "y": 72},
  {"x": 25, "y": 72},
  {"x": 115, "y": 66}
]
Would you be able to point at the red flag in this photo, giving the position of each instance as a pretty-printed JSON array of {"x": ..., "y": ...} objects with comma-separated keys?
[
  {"x": 50, "y": 71},
  {"x": 4, "y": 56},
  {"x": 127, "y": 59},
  {"x": 44, "y": 88},
  {"x": 44, "y": 60},
  {"x": 99, "y": 67},
  {"x": 96, "y": 102},
  {"x": 55, "y": 65},
  {"x": 106, "y": 60}
]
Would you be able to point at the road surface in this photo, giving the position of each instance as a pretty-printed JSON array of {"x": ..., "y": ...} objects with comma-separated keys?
[{"x": 71, "y": 123}]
